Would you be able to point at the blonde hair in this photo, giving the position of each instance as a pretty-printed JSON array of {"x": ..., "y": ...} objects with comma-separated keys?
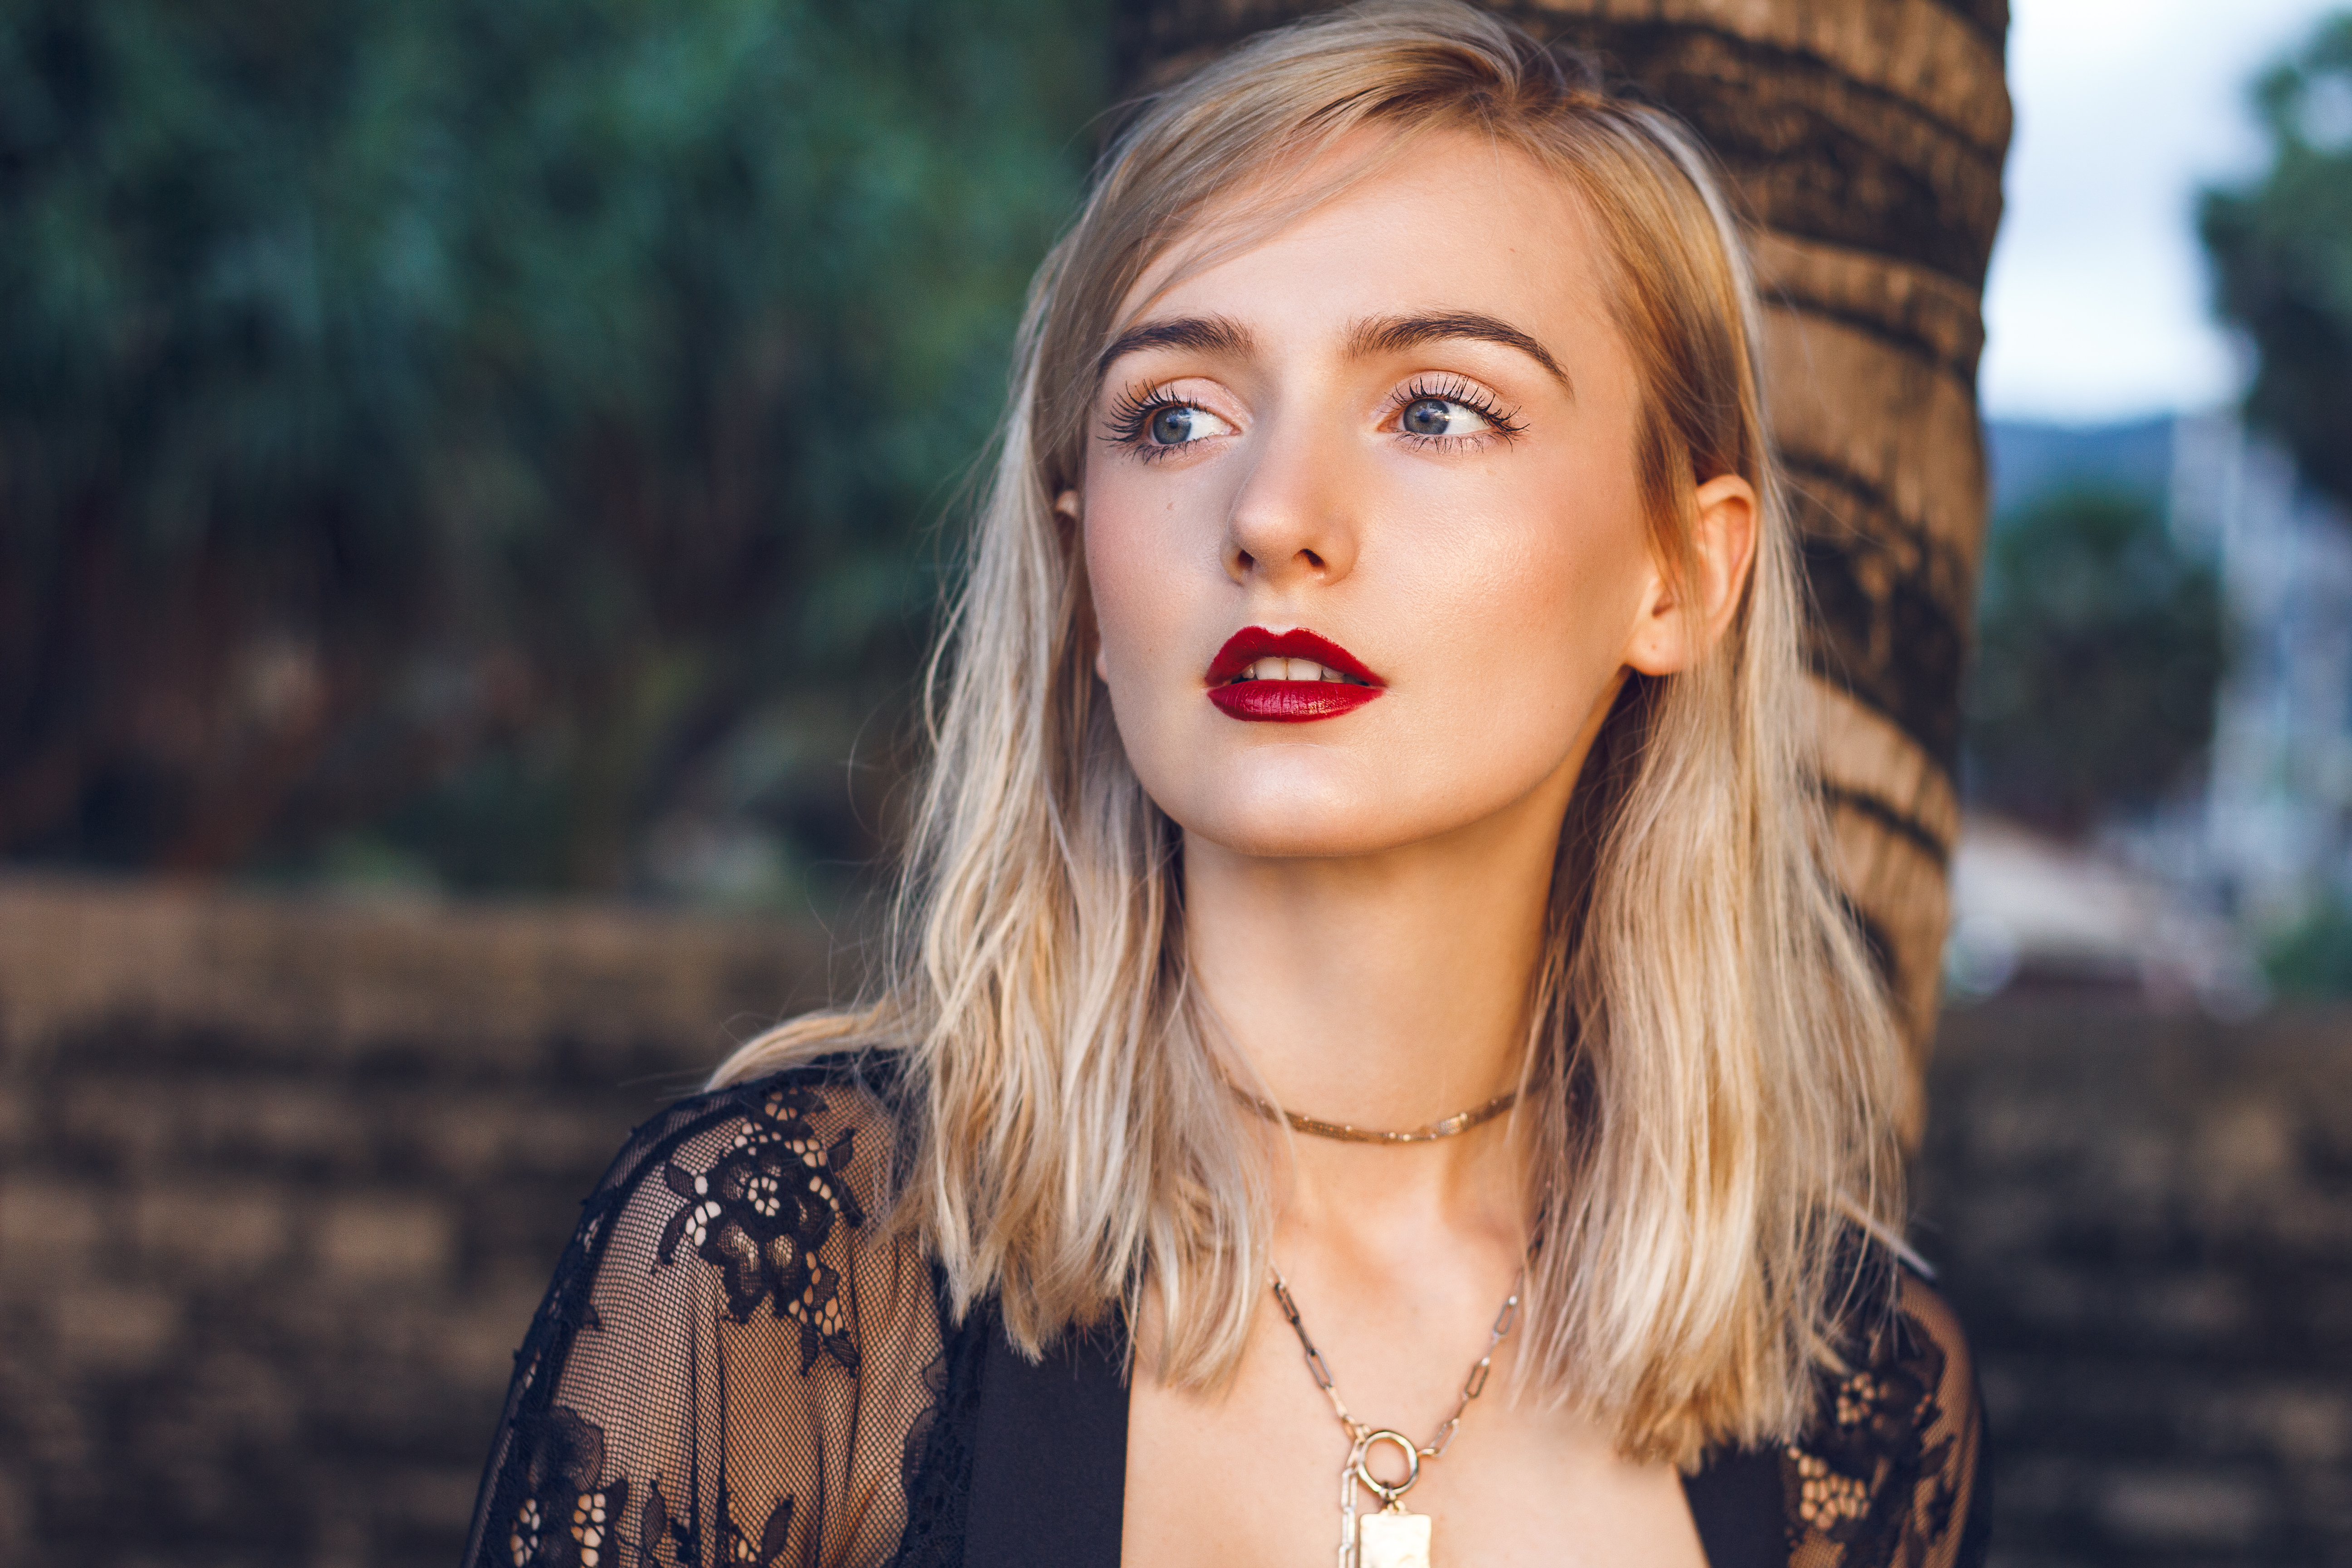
[{"x": 1713, "y": 1077}]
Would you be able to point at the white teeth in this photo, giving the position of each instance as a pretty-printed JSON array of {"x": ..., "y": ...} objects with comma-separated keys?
[{"x": 1289, "y": 670}]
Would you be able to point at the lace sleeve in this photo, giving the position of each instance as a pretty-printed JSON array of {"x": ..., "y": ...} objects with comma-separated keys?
[
  {"x": 733, "y": 1359},
  {"x": 1890, "y": 1474}
]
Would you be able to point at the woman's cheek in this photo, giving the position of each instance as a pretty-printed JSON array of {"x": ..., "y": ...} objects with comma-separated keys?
[{"x": 1135, "y": 625}]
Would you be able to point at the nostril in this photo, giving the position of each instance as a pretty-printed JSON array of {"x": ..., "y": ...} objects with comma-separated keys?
[{"x": 1312, "y": 558}]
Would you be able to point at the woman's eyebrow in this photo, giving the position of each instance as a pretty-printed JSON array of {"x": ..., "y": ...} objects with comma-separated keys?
[
  {"x": 1203, "y": 335},
  {"x": 1392, "y": 334}
]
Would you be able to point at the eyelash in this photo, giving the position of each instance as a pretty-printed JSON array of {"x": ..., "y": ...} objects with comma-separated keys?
[
  {"x": 1506, "y": 426},
  {"x": 1133, "y": 411}
]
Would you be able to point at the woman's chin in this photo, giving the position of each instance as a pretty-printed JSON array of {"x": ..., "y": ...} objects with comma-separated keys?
[
  {"x": 1294, "y": 829},
  {"x": 1302, "y": 804}
]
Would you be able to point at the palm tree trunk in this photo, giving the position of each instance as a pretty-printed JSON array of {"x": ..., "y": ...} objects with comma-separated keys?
[{"x": 1866, "y": 137}]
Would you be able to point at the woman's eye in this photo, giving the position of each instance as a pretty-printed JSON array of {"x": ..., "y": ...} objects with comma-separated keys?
[
  {"x": 1180, "y": 422},
  {"x": 1442, "y": 416}
]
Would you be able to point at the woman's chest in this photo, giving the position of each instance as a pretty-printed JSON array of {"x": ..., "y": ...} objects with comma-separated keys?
[{"x": 1256, "y": 1477}]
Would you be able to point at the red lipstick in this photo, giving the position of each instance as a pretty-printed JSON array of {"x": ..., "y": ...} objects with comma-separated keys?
[{"x": 1287, "y": 701}]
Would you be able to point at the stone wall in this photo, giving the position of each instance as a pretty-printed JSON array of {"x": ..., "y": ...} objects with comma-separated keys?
[
  {"x": 280, "y": 1183},
  {"x": 2147, "y": 1223}
]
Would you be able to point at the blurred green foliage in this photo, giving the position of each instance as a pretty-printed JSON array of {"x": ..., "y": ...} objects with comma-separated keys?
[
  {"x": 2313, "y": 957},
  {"x": 495, "y": 441},
  {"x": 2282, "y": 253},
  {"x": 2098, "y": 650}
]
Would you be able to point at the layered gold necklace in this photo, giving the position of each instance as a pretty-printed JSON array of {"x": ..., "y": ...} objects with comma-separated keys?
[{"x": 1391, "y": 1538}]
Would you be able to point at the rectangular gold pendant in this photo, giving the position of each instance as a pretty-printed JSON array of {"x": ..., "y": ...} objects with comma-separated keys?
[{"x": 1392, "y": 1541}]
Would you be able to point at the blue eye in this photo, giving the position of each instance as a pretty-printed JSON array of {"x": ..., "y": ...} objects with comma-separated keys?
[
  {"x": 1178, "y": 423},
  {"x": 1442, "y": 416}
]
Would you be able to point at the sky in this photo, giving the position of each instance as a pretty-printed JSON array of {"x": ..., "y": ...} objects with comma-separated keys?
[{"x": 2096, "y": 310}]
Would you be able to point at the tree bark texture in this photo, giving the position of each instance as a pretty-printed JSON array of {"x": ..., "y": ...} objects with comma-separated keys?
[{"x": 1865, "y": 138}]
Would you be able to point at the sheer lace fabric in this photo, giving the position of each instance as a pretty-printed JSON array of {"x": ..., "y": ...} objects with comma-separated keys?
[
  {"x": 733, "y": 1360},
  {"x": 737, "y": 1363},
  {"x": 1885, "y": 1476}
]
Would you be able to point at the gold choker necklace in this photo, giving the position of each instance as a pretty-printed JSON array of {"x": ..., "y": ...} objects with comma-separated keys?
[{"x": 1446, "y": 1127}]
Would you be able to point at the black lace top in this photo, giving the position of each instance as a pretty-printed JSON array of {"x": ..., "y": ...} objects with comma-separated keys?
[{"x": 736, "y": 1365}]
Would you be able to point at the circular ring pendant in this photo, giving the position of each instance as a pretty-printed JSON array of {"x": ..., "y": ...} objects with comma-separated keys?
[{"x": 1388, "y": 1491}]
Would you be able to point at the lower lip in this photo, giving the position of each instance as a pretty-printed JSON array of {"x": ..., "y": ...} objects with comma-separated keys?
[{"x": 1289, "y": 701}]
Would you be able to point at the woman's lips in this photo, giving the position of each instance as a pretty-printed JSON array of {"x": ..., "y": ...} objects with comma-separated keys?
[{"x": 1258, "y": 676}]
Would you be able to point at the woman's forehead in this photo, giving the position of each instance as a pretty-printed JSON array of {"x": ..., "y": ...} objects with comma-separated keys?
[{"x": 1379, "y": 227}]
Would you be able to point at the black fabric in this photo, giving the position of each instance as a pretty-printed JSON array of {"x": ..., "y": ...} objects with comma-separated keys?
[
  {"x": 1049, "y": 1471},
  {"x": 1736, "y": 1502},
  {"x": 739, "y": 1363},
  {"x": 735, "y": 1363},
  {"x": 1975, "y": 1535},
  {"x": 941, "y": 1449}
]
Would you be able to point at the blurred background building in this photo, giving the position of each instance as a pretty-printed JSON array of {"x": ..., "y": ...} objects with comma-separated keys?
[
  {"x": 2160, "y": 706},
  {"x": 476, "y": 484}
]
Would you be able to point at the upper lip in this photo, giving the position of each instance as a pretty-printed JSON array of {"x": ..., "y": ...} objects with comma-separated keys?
[{"x": 1250, "y": 644}]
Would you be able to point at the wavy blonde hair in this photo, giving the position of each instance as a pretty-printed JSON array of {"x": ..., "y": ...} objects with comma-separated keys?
[{"x": 1713, "y": 1077}]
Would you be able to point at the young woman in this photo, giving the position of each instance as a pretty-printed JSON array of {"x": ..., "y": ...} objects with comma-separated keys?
[{"x": 1371, "y": 1062}]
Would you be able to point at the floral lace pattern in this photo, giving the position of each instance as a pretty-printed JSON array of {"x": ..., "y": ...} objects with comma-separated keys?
[
  {"x": 763, "y": 1215},
  {"x": 1878, "y": 1479},
  {"x": 565, "y": 1516},
  {"x": 711, "y": 1290}
]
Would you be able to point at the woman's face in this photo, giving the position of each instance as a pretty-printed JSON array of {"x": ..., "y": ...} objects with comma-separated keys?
[{"x": 1393, "y": 443}]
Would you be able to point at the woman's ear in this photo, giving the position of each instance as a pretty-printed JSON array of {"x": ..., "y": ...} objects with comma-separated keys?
[
  {"x": 1065, "y": 507},
  {"x": 1669, "y": 635}
]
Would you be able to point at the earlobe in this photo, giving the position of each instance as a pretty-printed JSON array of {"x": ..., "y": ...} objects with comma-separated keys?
[
  {"x": 1065, "y": 507},
  {"x": 1661, "y": 641},
  {"x": 1669, "y": 635}
]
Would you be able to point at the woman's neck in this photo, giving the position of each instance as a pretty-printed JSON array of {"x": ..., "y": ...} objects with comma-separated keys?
[{"x": 1386, "y": 991}]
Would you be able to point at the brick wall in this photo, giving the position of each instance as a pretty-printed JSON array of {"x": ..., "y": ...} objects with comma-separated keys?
[
  {"x": 2147, "y": 1223},
  {"x": 281, "y": 1182}
]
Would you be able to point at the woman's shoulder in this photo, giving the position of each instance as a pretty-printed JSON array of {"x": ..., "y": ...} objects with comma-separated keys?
[
  {"x": 1891, "y": 1466},
  {"x": 847, "y": 1093},
  {"x": 807, "y": 1155},
  {"x": 833, "y": 1113},
  {"x": 730, "y": 1330}
]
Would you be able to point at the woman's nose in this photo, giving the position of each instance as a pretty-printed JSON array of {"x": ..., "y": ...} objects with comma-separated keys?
[{"x": 1294, "y": 520}]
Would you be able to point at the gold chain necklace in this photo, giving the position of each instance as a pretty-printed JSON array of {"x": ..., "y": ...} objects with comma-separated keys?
[
  {"x": 1391, "y": 1538},
  {"x": 1445, "y": 1127}
]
